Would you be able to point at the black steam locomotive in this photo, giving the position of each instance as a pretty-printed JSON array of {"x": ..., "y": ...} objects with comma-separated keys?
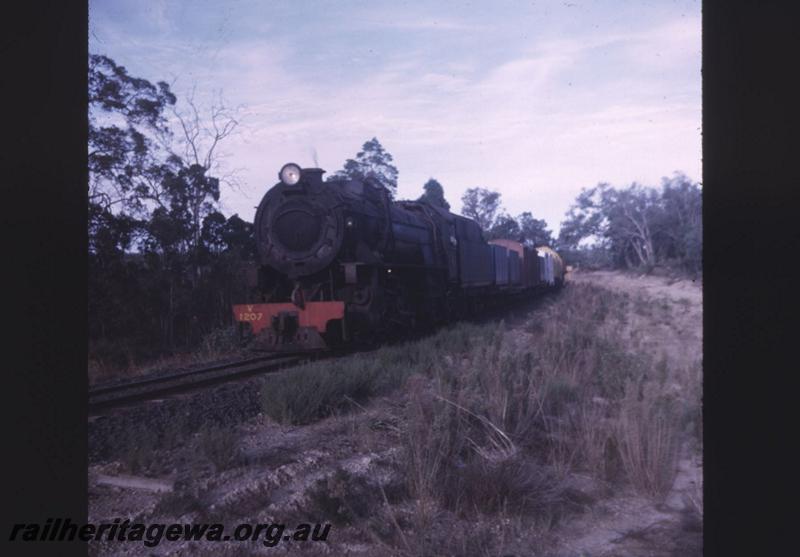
[{"x": 340, "y": 262}]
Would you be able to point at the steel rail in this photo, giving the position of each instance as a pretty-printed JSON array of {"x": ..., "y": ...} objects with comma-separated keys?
[
  {"x": 160, "y": 378},
  {"x": 151, "y": 387}
]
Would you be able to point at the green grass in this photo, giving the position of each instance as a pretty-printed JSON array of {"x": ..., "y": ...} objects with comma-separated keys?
[{"x": 307, "y": 393}]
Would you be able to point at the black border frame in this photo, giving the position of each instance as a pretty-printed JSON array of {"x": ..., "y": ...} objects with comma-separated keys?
[
  {"x": 750, "y": 240},
  {"x": 45, "y": 67},
  {"x": 749, "y": 243}
]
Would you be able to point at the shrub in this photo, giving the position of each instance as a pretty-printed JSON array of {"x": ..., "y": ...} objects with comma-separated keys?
[
  {"x": 317, "y": 390},
  {"x": 219, "y": 341},
  {"x": 517, "y": 485},
  {"x": 313, "y": 391},
  {"x": 219, "y": 445},
  {"x": 343, "y": 498},
  {"x": 177, "y": 503},
  {"x": 138, "y": 448},
  {"x": 647, "y": 436}
]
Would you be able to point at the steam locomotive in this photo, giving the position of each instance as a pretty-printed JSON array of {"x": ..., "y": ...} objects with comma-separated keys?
[{"x": 340, "y": 262}]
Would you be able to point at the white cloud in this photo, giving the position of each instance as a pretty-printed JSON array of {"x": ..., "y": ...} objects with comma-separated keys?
[
  {"x": 514, "y": 129},
  {"x": 518, "y": 127},
  {"x": 418, "y": 24}
]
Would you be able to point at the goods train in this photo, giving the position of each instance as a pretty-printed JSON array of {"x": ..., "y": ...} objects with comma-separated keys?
[{"x": 339, "y": 262}]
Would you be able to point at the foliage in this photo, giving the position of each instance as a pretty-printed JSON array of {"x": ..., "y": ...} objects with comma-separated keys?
[
  {"x": 505, "y": 226},
  {"x": 434, "y": 194},
  {"x": 523, "y": 228},
  {"x": 681, "y": 225},
  {"x": 639, "y": 226},
  {"x": 533, "y": 231},
  {"x": 374, "y": 162},
  {"x": 481, "y": 205},
  {"x": 164, "y": 263},
  {"x": 126, "y": 126},
  {"x": 590, "y": 258},
  {"x": 192, "y": 196}
]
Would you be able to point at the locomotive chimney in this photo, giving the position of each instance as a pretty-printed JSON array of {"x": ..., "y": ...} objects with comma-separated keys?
[{"x": 313, "y": 176}]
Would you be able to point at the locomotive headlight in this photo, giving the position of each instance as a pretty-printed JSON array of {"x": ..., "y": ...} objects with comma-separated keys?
[
  {"x": 289, "y": 174},
  {"x": 349, "y": 222}
]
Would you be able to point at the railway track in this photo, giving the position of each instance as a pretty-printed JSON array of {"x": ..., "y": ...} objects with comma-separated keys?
[{"x": 109, "y": 396}]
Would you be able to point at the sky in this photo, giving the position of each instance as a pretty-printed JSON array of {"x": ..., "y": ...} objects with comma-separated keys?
[{"x": 536, "y": 100}]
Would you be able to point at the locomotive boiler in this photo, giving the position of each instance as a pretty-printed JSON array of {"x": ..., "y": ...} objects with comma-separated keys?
[{"x": 339, "y": 262}]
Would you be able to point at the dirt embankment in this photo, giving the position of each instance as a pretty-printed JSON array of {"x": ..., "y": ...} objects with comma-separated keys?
[
  {"x": 666, "y": 316},
  {"x": 666, "y": 319}
]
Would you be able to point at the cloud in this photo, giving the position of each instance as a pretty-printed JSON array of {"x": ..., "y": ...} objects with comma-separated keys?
[
  {"x": 516, "y": 128},
  {"x": 409, "y": 18},
  {"x": 156, "y": 12},
  {"x": 419, "y": 25},
  {"x": 538, "y": 124}
]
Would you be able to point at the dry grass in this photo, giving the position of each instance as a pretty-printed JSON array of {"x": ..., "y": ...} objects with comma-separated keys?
[
  {"x": 320, "y": 389},
  {"x": 647, "y": 434},
  {"x": 139, "y": 451},
  {"x": 496, "y": 423},
  {"x": 501, "y": 428},
  {"x": 219, "y": 445},
  {"x": 428, "y": 442},
  {"x": 108, "y": 363}
]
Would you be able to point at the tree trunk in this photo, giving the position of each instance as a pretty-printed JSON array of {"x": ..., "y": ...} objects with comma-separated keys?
[{"x": 171, "y": 320}]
